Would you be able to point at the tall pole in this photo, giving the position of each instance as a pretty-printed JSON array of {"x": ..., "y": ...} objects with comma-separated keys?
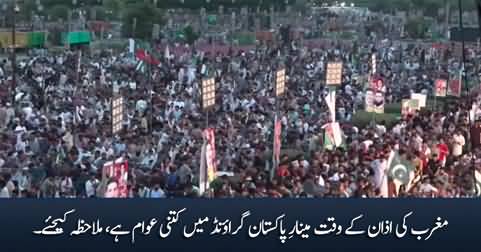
[
  {"x": 464, "y": 79},
  {"x": 14, "y": 53},
  {"x": 151, "y": 90},
  {"x": 462, "y": 32}
]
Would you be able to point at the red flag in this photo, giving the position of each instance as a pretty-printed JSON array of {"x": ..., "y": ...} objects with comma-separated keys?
[{"x": 141, "y": 54}]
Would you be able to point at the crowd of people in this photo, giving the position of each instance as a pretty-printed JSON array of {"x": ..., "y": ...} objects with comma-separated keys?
[{"x": 56, "y": 135}]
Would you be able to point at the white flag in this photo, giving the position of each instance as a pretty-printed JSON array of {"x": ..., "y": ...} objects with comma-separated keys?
[
  {"x": 167, "y": 52},
  {"x": 331, "y": 104}
]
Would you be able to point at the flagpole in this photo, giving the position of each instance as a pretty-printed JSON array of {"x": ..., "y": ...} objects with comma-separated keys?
[{"x": 150, "y": 90}]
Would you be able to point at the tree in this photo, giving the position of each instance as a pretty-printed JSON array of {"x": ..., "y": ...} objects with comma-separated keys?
[
  {"x": 59, "y": 12},
  {"x": 143, "y": 16},
  {"x": 417, "y": 27},
  {"x": 190, "y": 35},
  {"x": 115, "y": 6}
]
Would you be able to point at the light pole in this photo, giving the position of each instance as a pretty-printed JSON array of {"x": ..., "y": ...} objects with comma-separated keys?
[
  {"x": 333, "y": 79},
  {"x": 15, "y": 9},
  {"x": 280, "y": 89},
  {"x": 208, "y": 103}
]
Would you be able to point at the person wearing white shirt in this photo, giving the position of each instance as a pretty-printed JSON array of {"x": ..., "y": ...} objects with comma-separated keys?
[
  {"x": 4, "y": 191},
  {"x": 91, "y": 187},
  {"x": 157, "y": 193},
  {"x": 458, "y": 144}
]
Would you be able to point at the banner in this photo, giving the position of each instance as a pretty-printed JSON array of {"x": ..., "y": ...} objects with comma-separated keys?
[
  {"x": 377, "y": 84},
  {"x": 454, "y": 88},
  {"x": 277, "y": 142},
  {"x": 441, "y": 86},
  {"x": 379, "y": 103},
  {"x": 208, "y": 166},
  {"x": 374, "y": 102},
  {"x": 409, "y": 107},
  {"x": 21, "y": 39},
  {"x": 421, "y": 99},
  {"x": 117, "y": 173},
  {"x": 369, "y": 101}
]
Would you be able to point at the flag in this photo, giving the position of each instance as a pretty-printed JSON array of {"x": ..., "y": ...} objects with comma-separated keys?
[
  {"x": 333, "y": 136},
  {"x": 79, "y": 63},
  {"x": 477, "y": 176},
  {"x": 209, "y": 162},
  {"x": 277, "y": 142},
  {"x": 140, "y": 67},
  {"x": 167, "y": 52},
  {"x": 143, "y": 52},
  {"x": 131, "y": 46},
  {"x": 401, "y": 171},
  {"x": 331, "y": 103},
  {"x": 440, "y": 87},
  {"x": 117, "y": 173}
]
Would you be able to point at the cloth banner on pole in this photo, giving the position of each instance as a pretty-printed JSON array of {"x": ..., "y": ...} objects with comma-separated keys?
[
  {"x": 333, "y": 136},
  {"x": 331, "y": 103}
]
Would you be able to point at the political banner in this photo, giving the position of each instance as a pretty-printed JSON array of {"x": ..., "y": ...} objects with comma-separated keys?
[
  {"x": 377, "y": 84},
  {"x": 117, "y": 174},
  {"x": 454, "y": 88},
  {"x": 208, "y": 166},
  {"x": 409, "y": 107},
  {"x": 369, "y": 101},
  {"x": 379, "y": 103},
  {"x": 440, "y": 88}
]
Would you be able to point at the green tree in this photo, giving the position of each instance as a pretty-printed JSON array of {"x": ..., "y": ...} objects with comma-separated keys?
[
  {"x": 143, "y": 15},
  {"x": 190, "y": 35},
  {"x": 417, "y": 28},
  {"x": 58, "y": 12},
  {"x": 115, "y": 6}
]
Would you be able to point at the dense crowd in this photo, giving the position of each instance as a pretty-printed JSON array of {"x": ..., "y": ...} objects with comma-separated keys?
[{"x": 56, "y": 135}]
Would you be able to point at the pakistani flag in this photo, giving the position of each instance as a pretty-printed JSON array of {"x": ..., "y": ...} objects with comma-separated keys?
[
  {"x": 140, "y": 67},
  {"x": 399, "y": 169},
  {"x": 477, "y": 176},
  {"x": 333, "y": 136}
]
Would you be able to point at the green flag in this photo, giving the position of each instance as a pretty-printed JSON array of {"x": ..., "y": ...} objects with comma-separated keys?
[
  {"x": 400, "y": 169},
  {"x": 333, "y": 136}
]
